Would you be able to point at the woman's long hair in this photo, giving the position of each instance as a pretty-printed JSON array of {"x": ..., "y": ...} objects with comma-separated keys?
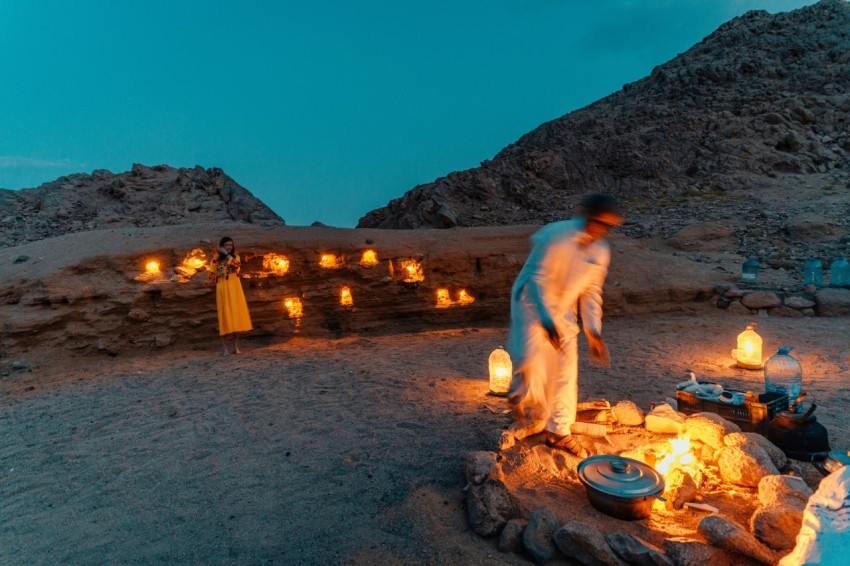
[{"x": 221, "y": 243}]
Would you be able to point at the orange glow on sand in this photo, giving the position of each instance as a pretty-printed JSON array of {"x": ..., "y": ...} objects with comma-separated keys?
[
  {"x": 275, "y": 264},
  {"x": 345, "y": 298},
  {"x": 369, "y": 259},
  {"x": 293, "y": 307},
  {"x": 443, "y": 299},
  {"x": 330, "y": 261}
]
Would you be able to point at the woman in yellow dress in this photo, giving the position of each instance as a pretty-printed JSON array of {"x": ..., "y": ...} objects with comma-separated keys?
[{"x": 233, "y": 315}]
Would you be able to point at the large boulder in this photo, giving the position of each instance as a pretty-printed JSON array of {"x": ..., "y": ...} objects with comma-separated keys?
[
  {"x": 725, "y": 534},
  {"x": 744, "y": 465},
  {"x": 489, "y": 506},
  {"x": 709, "y": 428},
  {"x": 777, "y": 456},
  {"x": 537, "y": 537},
  {"x": 585, "y": 544},
  {"x": 833, "y": 302},
  {"x": 777, "y": 525},
  {"x": 784, "y": 490}
]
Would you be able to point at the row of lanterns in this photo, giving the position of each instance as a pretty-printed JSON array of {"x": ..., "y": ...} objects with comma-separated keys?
[{"x": 839, "y": 272}]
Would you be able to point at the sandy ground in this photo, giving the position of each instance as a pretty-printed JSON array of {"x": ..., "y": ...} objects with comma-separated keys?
[{"x": 327, "y": 452}]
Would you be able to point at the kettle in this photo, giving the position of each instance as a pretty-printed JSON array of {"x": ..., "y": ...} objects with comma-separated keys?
[{"x": 801, "y": 437}]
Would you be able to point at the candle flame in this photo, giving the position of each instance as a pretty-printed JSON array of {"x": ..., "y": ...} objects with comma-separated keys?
[
  {"x": 152, "y": 267},
  {"x": 345, "y": 298},
  {"x": 369, "y": 259}
]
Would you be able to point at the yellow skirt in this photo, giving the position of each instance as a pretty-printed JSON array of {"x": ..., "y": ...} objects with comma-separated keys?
[{"x": 233, "y": 315}]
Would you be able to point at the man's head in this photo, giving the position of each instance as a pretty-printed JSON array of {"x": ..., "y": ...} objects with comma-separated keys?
[{"x": 602, "y": 213}]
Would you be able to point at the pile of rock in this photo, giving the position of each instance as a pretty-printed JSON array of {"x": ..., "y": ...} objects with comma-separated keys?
[
  {"x": 807, "y": 302},
  {"x": 730, "y": 458}
]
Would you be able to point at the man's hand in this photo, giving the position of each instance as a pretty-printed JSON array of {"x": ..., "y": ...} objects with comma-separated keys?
[
  {"x": 598, "y": 350},
  {"x": 549, "y": 326},
  {"x": 223, "y": 250}
]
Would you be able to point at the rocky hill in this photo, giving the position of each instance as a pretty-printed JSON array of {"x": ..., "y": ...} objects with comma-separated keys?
[
  {"x": 749, "y": 129},
  {"x": 143, "y": 197}
]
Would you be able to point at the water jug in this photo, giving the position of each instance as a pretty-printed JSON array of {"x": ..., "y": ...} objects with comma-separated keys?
[
  {"x": 839, "y": 273},
  {"x": 783, "y": 374},
  {"x": 813, "y": 273},
  {"x": 750, "y": 271}
]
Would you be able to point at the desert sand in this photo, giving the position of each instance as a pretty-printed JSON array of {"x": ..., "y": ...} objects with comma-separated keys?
[{"x": 320, "y": 451}]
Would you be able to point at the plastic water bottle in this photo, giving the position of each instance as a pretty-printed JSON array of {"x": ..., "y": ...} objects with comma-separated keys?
[
  {"x": 750, "y": 271},
  {"x": 839, "y": 273},
  {"x": 813, "y": 273},
  {"x": 784, "y": 374}
]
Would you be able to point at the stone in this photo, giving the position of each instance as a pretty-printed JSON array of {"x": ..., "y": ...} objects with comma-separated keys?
[
  {"x": 709, "y": 428},
  {"x": 139, "y": 315},
  {"x": 537, "y": 538},
  {"x": 784, "y": 490},
  {"x": 797, "y": 302},
  {"x": 777, "y": 456},
  {"x": 510, "y": 540},
  {"x": 736, "y": 308},
  {"x": 705, "y": 237},
  {"x": 489, "y": 506},
  {"x": 636, "y": 551},
  {"x": 744, "y": 465},
  {"x": 584, "y": 544},
  {"x": 825, "y": 532},
  {"x": 725, "y": 534},
  {"x": 833, "y": 302},
  {"x": 161, "y": 340},
  {"x": 680, "y": 489},
  {"x": 813, "y": 229},
  {"x": 481, "y": 465},
  {"x": 786, "y": 312},
  {"x": 777, "y": 525},
  {"x": 664, "y": 419},
  {"x": 627, "y": 413},
  {"x": 21, "y": 258},
  {"x": 684, "y": 551},
  {"x": 761, "y": 300},
  {"x": 734, "y": 293}
]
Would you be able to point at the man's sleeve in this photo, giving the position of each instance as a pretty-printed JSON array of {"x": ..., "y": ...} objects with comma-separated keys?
[{"x": 590, "y": 301}]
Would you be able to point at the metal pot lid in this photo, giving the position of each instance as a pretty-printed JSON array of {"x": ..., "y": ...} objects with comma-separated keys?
[
  {"x": 841, "y": 457},
  {"x": 623, "y": 477}
]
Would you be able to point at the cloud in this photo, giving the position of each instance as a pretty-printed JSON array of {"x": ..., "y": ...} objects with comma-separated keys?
[{"x": 15, "y": 161}]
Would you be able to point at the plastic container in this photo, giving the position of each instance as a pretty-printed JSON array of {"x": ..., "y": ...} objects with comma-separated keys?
[
  {"x": 750, "y": 271},
  {"x": 813, "y": 272},
  {"x": 839, "y": 273},
  {"x": 784, "y": 374}
]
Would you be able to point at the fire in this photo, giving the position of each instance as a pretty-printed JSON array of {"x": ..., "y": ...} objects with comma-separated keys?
[
  {"x": 194, "y": 260},
  {"x": 464, "y": 298},
  {"x": 443, "y": 299},
  {"x": 152, "y": 267},
  {"x": 276, "y": 264},
  {"x": 293, "y": 307},
  {"x": 412, "y": 271},
  {"x": 680, "y": 456},
  {"x": 345, "y": 298},
  {"x": 369, "y": 259},
  {"x": 330, "y": 261}
]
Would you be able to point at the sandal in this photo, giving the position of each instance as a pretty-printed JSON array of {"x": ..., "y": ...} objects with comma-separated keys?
[{"x": 569, "y": 443}]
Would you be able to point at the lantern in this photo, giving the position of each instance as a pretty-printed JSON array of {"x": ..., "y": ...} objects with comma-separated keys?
[
  {"x": 748, "y": 354},
  {"x": 330, "y": 261},
  {"x": 411, "y": 271},
  {"x": 276, "y": 264},
  {"x": 501, "y": 371},
  {"x": 369, "y": 259},
  {"x": 152, "y": 267},
  {"x": 443, "y": 299},
  {"x": 345, "y": 298},
  {"x": 293, "y": 307},
  {"x": 749, "y": 271},
  {"x": 464, "y": 298}
]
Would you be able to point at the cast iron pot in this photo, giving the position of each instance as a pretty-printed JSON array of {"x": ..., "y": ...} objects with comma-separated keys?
[{"x": 620, "y": 487}]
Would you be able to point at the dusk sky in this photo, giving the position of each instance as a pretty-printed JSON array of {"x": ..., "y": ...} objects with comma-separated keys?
[{"x": 323, "y": 110}]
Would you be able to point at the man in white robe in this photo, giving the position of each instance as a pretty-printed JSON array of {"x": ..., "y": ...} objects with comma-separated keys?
[{"x": 563, "y": 275}]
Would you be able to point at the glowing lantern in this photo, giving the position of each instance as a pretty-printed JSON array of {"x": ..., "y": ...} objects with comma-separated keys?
[
  {"x": 748, "y": 354},
  {"x": 194, "y": 260},
  {"x": 412, "y": 271},
  {"x": 275, "y": 264},
  {"x": 345, "y": 298},
  {"x": 443, "y": 299},
  {"x": 464, "y": 298},
  {"x": 330, "y": 261},
  {"x": 501, "y": 370},
  {"x": 369, "y": 259},
  {"x": 152, "y": 267},
  {"x": 293, "y": 307}
]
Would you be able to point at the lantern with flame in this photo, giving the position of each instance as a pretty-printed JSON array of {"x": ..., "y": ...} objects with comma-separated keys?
[
  {"x": 275, "y": 264},
  {"x": 330, "y": 261},
  {"x": 464, "y": 298},
  {"x": 748, "y": 353},
  {"x": 293, "y": 307},
  {"x": 369, "y": 259},
  {"x": 196, "y": 260},
  {"x": 501, "y": 370},
  {"x": 152, "y": 267},
  {"x": 345, "y": 298},
  {"x": 411, "y": 271},
  {"x": 443, "y": 299}
]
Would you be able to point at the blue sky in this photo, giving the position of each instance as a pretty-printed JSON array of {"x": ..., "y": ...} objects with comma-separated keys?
[{"x": 326, "y": 109}]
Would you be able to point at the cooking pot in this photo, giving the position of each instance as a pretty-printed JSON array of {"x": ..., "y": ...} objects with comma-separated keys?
[
  {"x": 801, "y": 437},
  {"x": 834, "y": 461},
  {"x": 621, "y": 487}
]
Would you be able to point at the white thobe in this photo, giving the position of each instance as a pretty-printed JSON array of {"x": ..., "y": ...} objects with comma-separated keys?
[{"x": 561, "y": 275}]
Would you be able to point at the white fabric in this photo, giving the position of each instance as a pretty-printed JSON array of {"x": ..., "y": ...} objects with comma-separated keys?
[
  {"x": 562, "y": 274},
  {"x": 824, "y": 537}
]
